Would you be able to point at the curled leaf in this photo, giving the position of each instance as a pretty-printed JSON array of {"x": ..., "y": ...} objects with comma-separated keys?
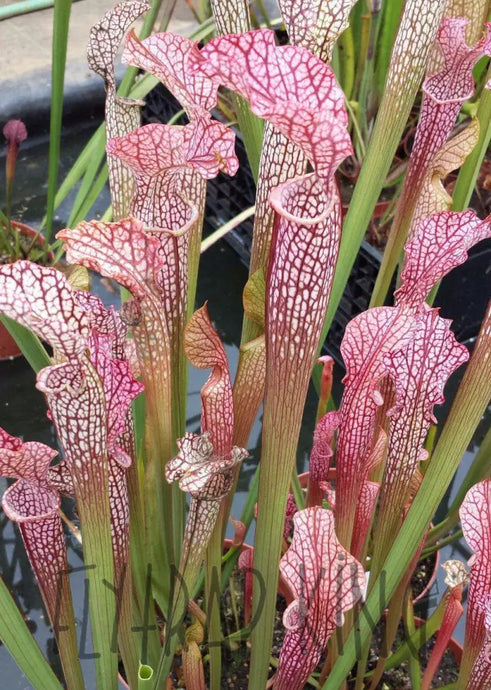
[
  {"x": 454, "y": 82},
  {"x": 322, "y": 447},
  {"x": 159, "y": 156},
  {"x": 475, "y": 11},
  {"x": 439, "y": 243},
  {"x": 363, "y": 517},
  {"x": 106, "y": 36},
  {"x": 325, "y": 581},
  {"x": 286, "y": 85},
  {"x": 456, "y": 574},
  {"x": 33, "y": 502},
  {"x": 455, "y": 579},
  {"x": 204, "y": 349},
  {"x": 42, "y": 299},
  {"x": 419, "y": 371},
  {"x": 240, "y": 532},
  {"x": 249, "y": 387},
  {"x": 321, "y": 455},
  {"x": 255, "y": 297},
  {"x": 367, "y": 341},
  {"x": 192, "y": 662},
  {"x": 122, "y": 251},
  {"x": 245, "y": 564},
  {"x": 433, "y": 196},
  {"x": 249, "y": 381},
  {"x": 32, "y": 497},
  {"x": 198, "y": 471},
  {"x": 30, "y": 460},
  {"x": 444, "y": 93},
  {"x": 167, "y": 57}
]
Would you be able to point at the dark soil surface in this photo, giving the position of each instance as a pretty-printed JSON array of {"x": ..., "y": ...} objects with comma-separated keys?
[
  {"x": 399, "y": 679},
  {"x": 422, "y": 575},
  {"x": 236, "y": 655}
]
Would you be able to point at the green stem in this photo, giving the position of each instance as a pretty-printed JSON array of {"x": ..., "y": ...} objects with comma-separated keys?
[
  {"x": 128, "y": 619},
  {"x": 96, "y": 144},
  {"x": 61, "y": 23},
  {"x": 443, "y": 542},
  {"x": 94, "y": 193},
  {"x": 5, "y": 230},
  {"x": 367, "y": 90},
  {"x": 156, "y": 366},
  {"x": 418, "y": 638},
  {"x": 226, "y": 228},
  {"x": 92, "y": 168},
  {"x": 414, "y": 666},
  {"x": 144, "y": 611},
  {"x": 466, "y": 181},
  {"x": 365, "y": 21},
  {"x": 391, "y": 624},
  {"x": 297, "y": 490},
  {"x": 251, "y": 128},
  {"x": 230, "y": 559},
  {"x": 201, "y": 522},
  {"x": 391, "y": 15},
  {"x": 346, "y": 57},
  {"x": 212, "y": 584},
  {"x": 25, "y": 7},
  {"x": 158, "y": 504},
  {"x": 359, "y": 143},
  {"x": 98, "y": 557},
  {"x": 274, "y": 483},
  {"x": 264, "y": 13},
  {"x": 233, "y": 18},
  {"x": 57, "y": 596},
  {"x": 479, "y": 470}
]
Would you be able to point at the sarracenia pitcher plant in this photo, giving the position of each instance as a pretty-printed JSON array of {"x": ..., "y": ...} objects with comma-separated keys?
[{"x": 331, "y": 554}]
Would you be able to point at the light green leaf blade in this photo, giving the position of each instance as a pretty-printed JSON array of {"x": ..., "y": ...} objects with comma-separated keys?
[
  {"x": 18, "y": 639},
  {"x": 30, "y": 345}
]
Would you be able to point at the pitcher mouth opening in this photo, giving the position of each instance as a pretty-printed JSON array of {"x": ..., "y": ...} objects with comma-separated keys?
[{"x": 306, "y": 200}]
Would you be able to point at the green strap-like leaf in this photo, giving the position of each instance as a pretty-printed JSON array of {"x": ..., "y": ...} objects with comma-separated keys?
[
  {"x": 61, "y": 22},
  {"x": 30, "y": 345},
  {"x": 18, "y": 639},
  {"x": 466, "y": 180}
]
